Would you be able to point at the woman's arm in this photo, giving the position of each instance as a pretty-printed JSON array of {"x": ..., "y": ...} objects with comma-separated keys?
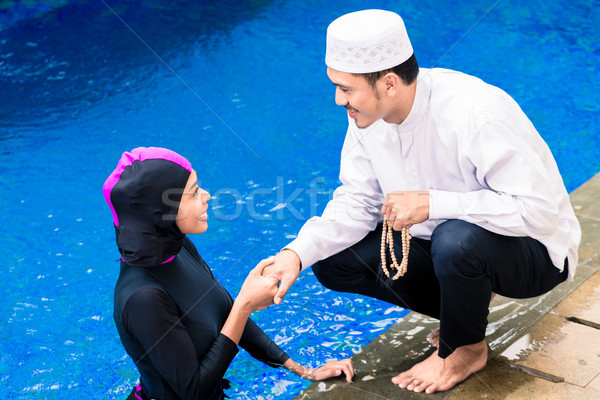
[
  {"x": 152, "y": 320},
  {"x": 235, "y": 325},
  {"x": 256, "y": 293},
  {"x": 261, "y": 347}
]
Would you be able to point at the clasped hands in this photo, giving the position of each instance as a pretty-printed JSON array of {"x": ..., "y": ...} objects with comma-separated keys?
[
  {"x": 259, "y": 290},
  {"x": 399, "y": 208}
]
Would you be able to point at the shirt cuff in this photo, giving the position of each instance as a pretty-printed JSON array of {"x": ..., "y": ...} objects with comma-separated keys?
[
  {"x": 305, "y": 250},
  {"x": 443, "y": 204}
]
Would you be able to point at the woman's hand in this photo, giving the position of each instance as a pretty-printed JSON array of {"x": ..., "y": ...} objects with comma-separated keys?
[
  {"x": 258, "y": 291},
  {"x": 256, "y": 294},
  {"x": 328, "y": 370},
  {"x": 334, "y": 368}
]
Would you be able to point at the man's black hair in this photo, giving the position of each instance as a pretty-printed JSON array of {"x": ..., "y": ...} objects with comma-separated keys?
[{"x": 407, "y": 71}]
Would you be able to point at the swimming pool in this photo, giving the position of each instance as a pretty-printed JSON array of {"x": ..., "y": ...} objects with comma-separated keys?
[{"x": 242, "y": 92}]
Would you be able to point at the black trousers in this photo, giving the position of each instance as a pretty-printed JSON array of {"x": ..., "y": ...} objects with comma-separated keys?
[{"x": 450, "y": 277}]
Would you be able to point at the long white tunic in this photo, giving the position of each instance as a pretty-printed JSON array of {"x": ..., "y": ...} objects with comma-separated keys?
[{"x": 471, "y": 146}]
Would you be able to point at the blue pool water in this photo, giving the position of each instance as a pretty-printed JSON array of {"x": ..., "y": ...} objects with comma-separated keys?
[{"x": 241, "y": 91}]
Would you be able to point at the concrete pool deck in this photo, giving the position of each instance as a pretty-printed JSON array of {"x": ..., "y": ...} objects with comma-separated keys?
[{"x": 546, "y": 347}]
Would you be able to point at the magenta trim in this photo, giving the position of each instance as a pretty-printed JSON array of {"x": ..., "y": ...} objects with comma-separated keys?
[
  {"x": 139, "y": 154},
  {"x": 169, "y": 259},
  {"x": 138, "y": 389}
]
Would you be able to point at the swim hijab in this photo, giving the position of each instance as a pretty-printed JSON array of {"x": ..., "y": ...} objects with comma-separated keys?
[{"x": 143, "y": 193}]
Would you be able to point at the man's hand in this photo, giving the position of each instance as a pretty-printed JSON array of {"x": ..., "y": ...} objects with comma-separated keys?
[
  {"x": 406, "y": 208},
  {"x": 286, "y": 268}
]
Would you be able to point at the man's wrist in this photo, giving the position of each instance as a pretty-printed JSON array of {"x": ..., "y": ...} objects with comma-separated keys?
[{"x": 295, "y": 256}]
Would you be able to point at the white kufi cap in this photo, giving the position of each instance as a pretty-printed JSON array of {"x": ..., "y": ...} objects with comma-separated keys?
[{"x": 367, "y": 41}]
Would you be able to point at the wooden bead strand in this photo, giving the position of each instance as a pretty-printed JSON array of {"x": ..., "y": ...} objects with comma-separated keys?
[{"x": 387, "y": 241}]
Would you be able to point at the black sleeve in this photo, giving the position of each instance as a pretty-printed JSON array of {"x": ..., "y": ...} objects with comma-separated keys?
[
  {"x": 261, "y": 347},
  {"x": 151, "y": 317}
]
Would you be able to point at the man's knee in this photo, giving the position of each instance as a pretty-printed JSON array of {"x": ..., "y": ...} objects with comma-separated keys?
[
  {"x": 455, "y": 248},
  {"x": 325, "y": 273}
]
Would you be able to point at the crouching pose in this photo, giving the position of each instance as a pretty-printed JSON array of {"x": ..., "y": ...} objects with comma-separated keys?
[{"x": 454, "y": 163}]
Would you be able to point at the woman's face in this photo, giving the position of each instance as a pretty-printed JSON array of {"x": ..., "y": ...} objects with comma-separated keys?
[{"x": 191, "y": 216}]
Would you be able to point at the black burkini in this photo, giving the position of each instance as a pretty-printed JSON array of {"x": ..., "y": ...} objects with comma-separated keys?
[
  {"x": 169, "y": 308},
  {"x": 169, "y": 318}
]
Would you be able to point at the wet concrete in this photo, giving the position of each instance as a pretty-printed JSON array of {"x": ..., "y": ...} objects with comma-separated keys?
[{"x": 547, "y": 347}]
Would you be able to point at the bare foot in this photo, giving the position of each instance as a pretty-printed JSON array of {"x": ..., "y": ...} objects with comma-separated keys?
[
  {"x": 434, "y": 338},
  {"x": 438, "y": 374}
]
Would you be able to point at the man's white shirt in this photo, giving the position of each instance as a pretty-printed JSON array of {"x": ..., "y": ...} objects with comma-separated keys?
[{"x": 471, "y": 146}]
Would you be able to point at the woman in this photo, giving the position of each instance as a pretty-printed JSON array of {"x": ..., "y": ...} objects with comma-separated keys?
[{"x": 178, "y": 324}]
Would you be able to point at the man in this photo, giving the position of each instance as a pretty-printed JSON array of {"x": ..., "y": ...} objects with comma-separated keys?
[{"x": 456, "y": 161}]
